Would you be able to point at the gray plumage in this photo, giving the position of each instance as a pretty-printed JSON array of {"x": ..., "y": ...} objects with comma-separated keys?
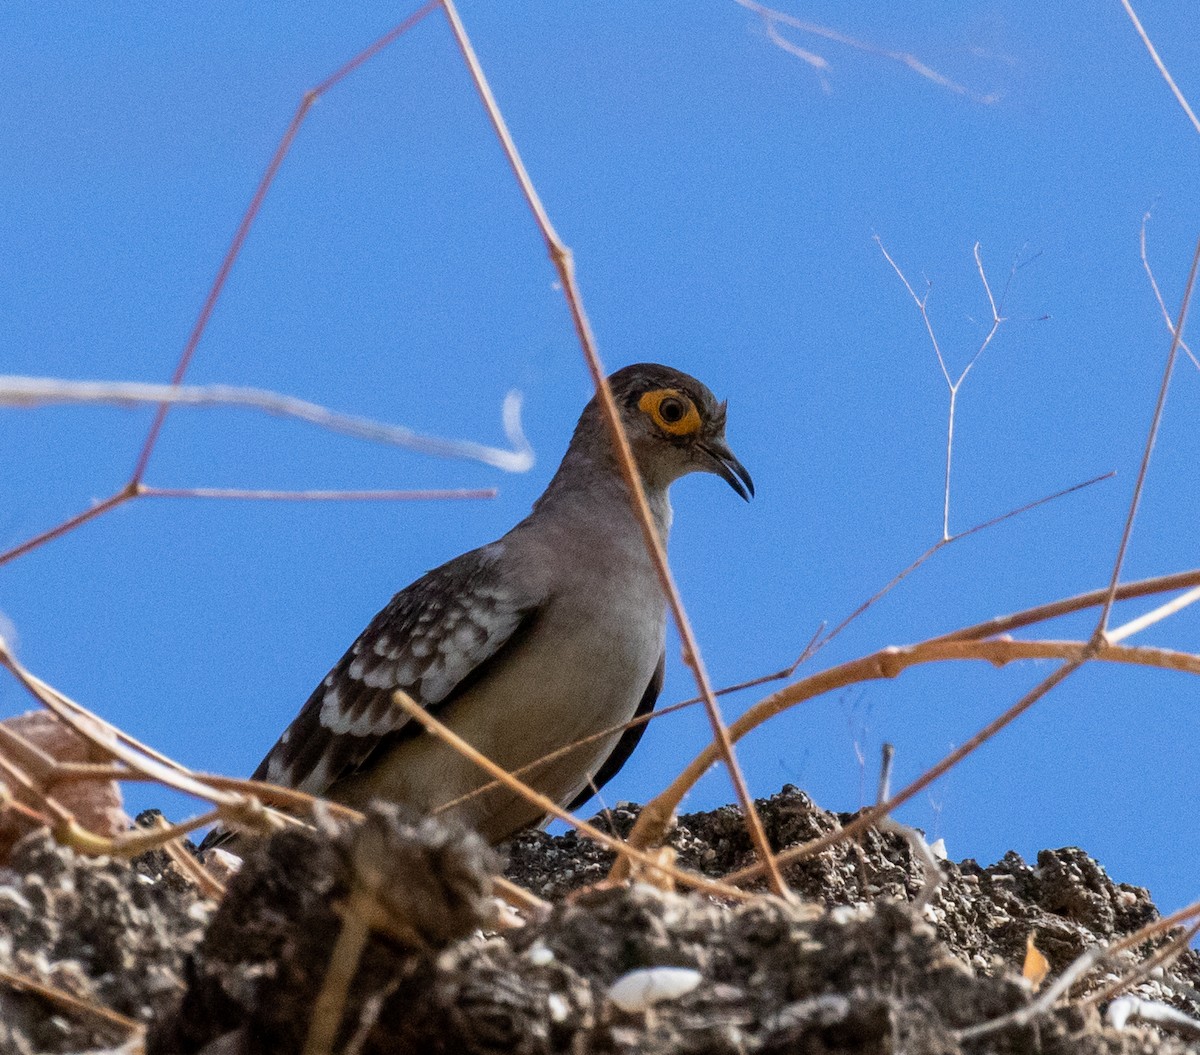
[{"x": 546, "y": 636}]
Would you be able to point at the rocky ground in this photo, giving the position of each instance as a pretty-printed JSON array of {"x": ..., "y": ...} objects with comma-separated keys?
[{"x": 389, "y": 926}]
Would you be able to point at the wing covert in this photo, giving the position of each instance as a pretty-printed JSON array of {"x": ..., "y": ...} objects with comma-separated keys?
[{"x": 430, "y": 638}]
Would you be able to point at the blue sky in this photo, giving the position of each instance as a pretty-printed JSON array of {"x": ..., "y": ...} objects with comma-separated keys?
[{"x": 722, "y": 204}]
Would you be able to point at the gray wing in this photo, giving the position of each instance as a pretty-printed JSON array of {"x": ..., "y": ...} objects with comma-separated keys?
[
  {"x": 434, "y": 636},
  {"x": 629, "y": 739}
]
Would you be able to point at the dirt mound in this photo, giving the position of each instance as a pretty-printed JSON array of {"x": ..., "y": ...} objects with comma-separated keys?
[{"x": 850, "y": 968}]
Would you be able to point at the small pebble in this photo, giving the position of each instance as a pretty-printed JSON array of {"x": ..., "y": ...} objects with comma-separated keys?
[{"x": 642, "y": 989}]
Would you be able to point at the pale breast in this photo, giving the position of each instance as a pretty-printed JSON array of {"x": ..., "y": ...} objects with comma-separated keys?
[{"x": 582, "y": 667}]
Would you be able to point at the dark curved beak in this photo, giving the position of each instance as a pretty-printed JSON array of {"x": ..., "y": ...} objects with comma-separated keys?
[{"x": 726, "y": 465}]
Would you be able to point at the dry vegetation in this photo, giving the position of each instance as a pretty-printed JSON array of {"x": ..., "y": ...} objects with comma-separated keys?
[{"x": 769, "y": 926}]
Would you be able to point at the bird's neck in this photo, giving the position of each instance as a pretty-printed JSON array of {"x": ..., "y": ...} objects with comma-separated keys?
[{"x": 589, "y": 483}]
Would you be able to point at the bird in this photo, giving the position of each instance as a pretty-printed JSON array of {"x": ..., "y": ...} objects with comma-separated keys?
[{"x": 549, "y": 635}]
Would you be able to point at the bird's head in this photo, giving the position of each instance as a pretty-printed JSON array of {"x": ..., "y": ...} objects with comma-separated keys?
[{"x": 675, "y": 426}]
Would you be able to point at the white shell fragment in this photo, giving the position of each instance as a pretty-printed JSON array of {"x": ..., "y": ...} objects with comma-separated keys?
[
  {"x": 1128, "y": 1009},
  {"x": 539, "y": 955},
  {"x": 221, "y": 864},
  {"x": 938, "y": 849},
  {"x": 642, "y": 989}
]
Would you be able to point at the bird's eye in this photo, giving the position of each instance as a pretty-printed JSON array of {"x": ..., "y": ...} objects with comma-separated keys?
[{"x": 671, "y": 411}]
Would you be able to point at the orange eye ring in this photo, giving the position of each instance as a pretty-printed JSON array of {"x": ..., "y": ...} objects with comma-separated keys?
[{"x": 671, "y": 411}]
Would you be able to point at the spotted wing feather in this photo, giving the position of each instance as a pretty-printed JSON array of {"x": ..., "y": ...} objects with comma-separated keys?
[{"x": 432, "y": 637}]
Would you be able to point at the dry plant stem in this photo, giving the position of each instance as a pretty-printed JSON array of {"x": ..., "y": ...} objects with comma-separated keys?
[
  {"x": 1179, "y": 98},
  {"x": 85, "y": 727},
  {"x": 32, "y": 759},
  {"x": 1151, "y": 436},
  {"x": 1162, "y": 306},
  {"x": 431, "y": 725},
  {"x": 1155, "y": 615},
  {"x": 130, "y": 844},
  {"x": 869, "y": 817},
  {"x": 189, "y": 866},
  {"x": 22, "y": 783},
  {"x": 1044, "y": 1002},
  {"x": 563, "y": 262},
  {"x": 1076, "y": 970},
  {"x": 1002, "y": 624},
  {"x": 39, "y": 391},
  {"x": 111, "y": 502},
  {"x": 7, "y": 802},
  {"x": 771, "y": 16},
  {"x": 208, "y": 786},
  {"x": 269, "y": 794},
  {"x": 919, "y": 848},
  {"x": 1159, "y": 959},
  {"x": 817, "y": 62},
  {"x": 112, "y": 730},
  {"x": 1183, "y": 915},
  {"x": 83, "y": 1008},
  {"x": 230, "y": 807},
  {"x": 343, "y": 965},
  {"x": 889, "y": 663},
  {"x": 941, "y": 544}
]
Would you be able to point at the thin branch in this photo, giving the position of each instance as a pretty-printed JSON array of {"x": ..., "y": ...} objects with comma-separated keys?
[
  {"x": 817, "y": 62},
  {"x": 83, "y": 1008},
  {"x": 904, "y": 573},
  {"x": 1151, "y": 436},
  {"x": 1077, "y": 969},
  {"x": 1162, "y": 306},
  {"x": 1045, "y": 1000},
  {"x": 563, "y": 262},
  {"x": 42, "y": 391},
  {"x": 1002, "y": 624},
  {"x": 1143, "y": 970},
  {"x": 890, "y": 663},
  {"x": 1179, "y": 98},
  {"x": 131, "y": 488},
  {"x": 96, "y": 509},
  {"x": 1155, "y": 615},
  {"x": 771, "y": 16},
  {"x": 871, "y": 816},
  {"x": 188, "y": 865}
]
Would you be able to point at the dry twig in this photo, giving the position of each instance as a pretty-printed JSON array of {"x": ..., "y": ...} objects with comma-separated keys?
[
  {"x": 772, "y": 18},
  {"x": 1161, "y": 66},
  {"x": 41, "y": 391}
]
